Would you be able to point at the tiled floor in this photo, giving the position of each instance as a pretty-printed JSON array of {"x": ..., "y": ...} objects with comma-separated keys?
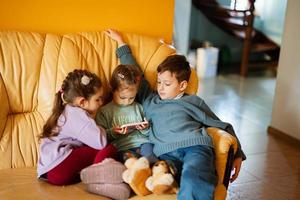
[{"x": 272, "y": 168}]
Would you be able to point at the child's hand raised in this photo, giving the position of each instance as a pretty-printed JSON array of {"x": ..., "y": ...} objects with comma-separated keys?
[
  {"x": 115, "y": 35},
  {"x": 121, "y": 131}
]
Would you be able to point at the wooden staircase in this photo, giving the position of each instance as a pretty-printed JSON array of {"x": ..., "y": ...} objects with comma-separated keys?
[{"x": 239, "y": 23}]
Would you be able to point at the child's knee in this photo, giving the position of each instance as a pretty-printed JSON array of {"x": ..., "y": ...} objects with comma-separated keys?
[{"x": 146, "y": 148}]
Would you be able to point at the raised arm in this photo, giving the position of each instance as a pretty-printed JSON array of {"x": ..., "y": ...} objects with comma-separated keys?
[
  {"x": 125, "y": 55},
  {"x": 123, "y": 51}
]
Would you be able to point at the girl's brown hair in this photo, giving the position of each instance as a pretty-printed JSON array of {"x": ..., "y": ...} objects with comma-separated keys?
[
  {"x": 78, "y": 83},
  {"x": 124, "y": 75}
]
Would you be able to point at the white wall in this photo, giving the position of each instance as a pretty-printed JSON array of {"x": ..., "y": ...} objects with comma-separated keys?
[
  {"x": 182, "y": 20},
  {"x": 286, "y": 106},
  {"x": 270, "y": 18}
]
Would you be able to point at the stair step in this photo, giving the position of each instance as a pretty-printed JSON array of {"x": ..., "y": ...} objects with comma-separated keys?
[
  {"x": 232, "y": 21},
  {"x": 260, "y": 47},
  {"x": 242, "y": 35},
  {"x": 266, "y": 64}
]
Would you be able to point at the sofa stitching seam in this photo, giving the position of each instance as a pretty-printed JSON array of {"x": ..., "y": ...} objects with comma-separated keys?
[{"x": 97, "y": 53}]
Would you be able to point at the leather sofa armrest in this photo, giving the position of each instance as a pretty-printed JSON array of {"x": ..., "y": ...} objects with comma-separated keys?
[{"x": 225, "y": 147}]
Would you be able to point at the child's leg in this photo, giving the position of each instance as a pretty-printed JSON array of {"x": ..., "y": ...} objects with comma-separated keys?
[
  {"x": 124, "y": 155},
  {"x": 198, "y": 176},
  {"x": 67, "y": 172},
  {"x": 108, "y": 152},
  {"x": 147, "y": 151}
]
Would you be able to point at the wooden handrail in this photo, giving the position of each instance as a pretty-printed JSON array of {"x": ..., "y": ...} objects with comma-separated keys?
[{"x": 247, "y": 41}]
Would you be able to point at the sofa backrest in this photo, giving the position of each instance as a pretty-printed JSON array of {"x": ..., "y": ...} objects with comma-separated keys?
[{"x": 32, "y": 68}]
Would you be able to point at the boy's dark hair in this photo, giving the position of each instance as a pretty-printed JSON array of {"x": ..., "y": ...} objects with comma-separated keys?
[
  {"x": 124, "y": 75},
  {"x": 78, "y": 83},
  {"x": 178, "y": 65}
]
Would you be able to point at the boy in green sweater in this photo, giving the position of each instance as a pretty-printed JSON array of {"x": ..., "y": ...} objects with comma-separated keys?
[{"x": 178, "y": 125}]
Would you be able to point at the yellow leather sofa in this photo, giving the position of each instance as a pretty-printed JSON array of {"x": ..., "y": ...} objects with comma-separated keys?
[{"x": 32, "y": 68}]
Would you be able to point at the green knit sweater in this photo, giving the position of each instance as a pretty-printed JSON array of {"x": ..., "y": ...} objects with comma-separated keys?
[{"x": 113, "y": 114}]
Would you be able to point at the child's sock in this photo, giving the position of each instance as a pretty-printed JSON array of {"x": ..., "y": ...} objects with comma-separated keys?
[
  {"x": 108, "y": 171},
  {"x": 119, "y": 191}
]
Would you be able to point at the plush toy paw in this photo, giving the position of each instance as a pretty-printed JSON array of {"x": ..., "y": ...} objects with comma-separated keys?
[
  {"x": 161, "y": 181},
  {"x": 136, "y": 174}
]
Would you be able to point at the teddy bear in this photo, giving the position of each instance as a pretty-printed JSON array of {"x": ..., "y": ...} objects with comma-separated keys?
[
  {"x": 161, "y": 181},
  {"x": 137, "y": 172}
]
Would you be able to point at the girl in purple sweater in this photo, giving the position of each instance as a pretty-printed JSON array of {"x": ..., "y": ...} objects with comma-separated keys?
[{"x": 71, "y": 140}]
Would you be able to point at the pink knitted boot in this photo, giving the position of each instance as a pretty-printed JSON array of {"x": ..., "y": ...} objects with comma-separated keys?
[{"x": 108, "y": 171}]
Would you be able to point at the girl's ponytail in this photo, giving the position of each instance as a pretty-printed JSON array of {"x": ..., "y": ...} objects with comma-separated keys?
[
  {"x": 78, "y": 83},
  {"x": 58, "y": 108}
]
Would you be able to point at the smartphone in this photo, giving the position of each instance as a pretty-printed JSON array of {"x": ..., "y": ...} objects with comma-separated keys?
[{"x": 133, "y": 125}]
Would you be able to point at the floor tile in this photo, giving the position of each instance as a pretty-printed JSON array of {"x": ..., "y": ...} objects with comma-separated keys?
[
  {"x": 257, "y": 190},
  {"x": 288, "y": 186},
  {"x": 244, "y": 177}
]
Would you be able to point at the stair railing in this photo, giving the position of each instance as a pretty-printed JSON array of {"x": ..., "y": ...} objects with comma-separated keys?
[{"x": 247, "y": 40}]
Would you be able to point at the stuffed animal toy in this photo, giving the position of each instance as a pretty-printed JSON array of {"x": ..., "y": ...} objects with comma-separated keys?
[
  {"x": 161, "y": 181},
  {"x": 136, "y": 174}
]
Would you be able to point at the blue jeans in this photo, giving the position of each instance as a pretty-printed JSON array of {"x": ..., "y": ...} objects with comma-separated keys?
[
  {"x": 198, "y": 175},
  {"x": 147, "y": 151}
]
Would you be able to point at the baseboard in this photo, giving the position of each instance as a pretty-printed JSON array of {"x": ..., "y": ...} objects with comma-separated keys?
[{"x": 284, "y": 136}]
